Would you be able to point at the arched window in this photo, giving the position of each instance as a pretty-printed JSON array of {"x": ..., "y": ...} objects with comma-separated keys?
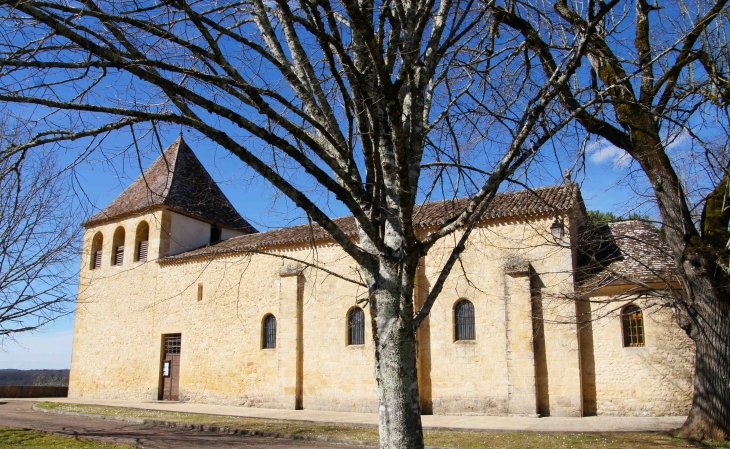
[
  {"x": 97, "y": 245},
  {"x": 356, "y": 326},
  {"x": 268, "y": 339},
  {"x": 141, "y": 242},
  {"x": 464, "y": 320},
  {"x": 118, "y": 247},
  {"x": 632, "y": 320}
]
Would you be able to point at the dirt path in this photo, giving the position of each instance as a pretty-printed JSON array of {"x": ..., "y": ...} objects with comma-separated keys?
[{"x": 21, "y": 415}]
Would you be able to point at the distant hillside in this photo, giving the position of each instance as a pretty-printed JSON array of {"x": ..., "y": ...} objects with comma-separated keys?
[{"x": 37, "y": 377}]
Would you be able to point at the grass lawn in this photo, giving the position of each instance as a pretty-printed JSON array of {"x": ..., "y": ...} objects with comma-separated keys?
[
  {"x": 446, "y": 438},
  {"x": 39, "y": 440}
]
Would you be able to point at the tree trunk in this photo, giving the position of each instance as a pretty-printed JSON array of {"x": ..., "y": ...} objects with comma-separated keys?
[
  {"x": 704, "y": 312},
  {"x": 707, "y": 321},
  {"x": 395, "y": 359}
]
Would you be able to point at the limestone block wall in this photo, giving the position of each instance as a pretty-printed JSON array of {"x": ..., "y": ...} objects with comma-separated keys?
[
  {"x": 124, "y": 313},
  {"x": 496, "y": 372},
  {"x": 653, "y": 380},
  {"x": 222, "y": 359},
  {"x": 114, "y": 317},
  {"x": 526, "y": 357}
]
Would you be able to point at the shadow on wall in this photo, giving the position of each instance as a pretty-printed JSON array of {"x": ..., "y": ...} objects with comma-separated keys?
[{"x": 538, "y": 332}]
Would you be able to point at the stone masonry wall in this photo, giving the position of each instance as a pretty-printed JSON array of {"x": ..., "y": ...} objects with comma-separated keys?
[
  {"x": 653, "y": 380},
  {"x": 124, "y": 312}
]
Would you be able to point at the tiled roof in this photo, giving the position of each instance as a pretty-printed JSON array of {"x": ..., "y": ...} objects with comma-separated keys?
[
  {"x": 178, "y": 180},
  {"x": 520, "y": 203},
  {"x": 623, "y": 253}
]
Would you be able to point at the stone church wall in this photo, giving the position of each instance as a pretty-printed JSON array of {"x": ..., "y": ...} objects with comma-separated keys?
[
  {"x": 113, "y": 339},
  {"x": 511, "y": 271},
  {"x": 653, "y": 380}
]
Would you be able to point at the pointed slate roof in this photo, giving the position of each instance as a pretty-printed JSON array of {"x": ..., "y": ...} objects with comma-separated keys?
[{"x": 179, "y": 181}]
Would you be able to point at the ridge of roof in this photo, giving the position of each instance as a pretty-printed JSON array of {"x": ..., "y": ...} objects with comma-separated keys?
[
  {"x": 176, "y": 179},
  {"x": 519, "y": 203}
]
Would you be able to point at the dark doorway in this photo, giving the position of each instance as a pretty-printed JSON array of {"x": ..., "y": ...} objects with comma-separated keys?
[{"x": 170, "y": 369}]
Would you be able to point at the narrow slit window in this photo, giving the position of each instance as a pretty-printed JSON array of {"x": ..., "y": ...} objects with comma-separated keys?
[
  {"x": 633, "y": 326},
  {"x": 356, "y": 327},
  {"x": 269, "y": 332},
  {"x": 200, "y": 292},
  {"x": 464, "y": 321}
]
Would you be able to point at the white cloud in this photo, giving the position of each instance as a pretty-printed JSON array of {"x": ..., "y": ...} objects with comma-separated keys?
[
  {"x": 676, "y": 141},
  {"x": 42, "y": 350},
  {"x": 602, "y": 151}
]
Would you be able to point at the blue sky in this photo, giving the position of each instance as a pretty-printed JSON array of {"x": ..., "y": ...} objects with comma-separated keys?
[{"x": 603, "y": 185}]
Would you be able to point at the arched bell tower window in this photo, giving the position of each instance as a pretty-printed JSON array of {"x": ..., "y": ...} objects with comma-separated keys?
[
  {"x": 141, "y": 242},
  {"x": 268, "y": 337},
  {"x": 464, "y": 320},
  {"x": 356, "y": 326},
  {"x": 632, "y": 320},
  {"x": 97, "y": 246},
  {"x": 118, "y": 247}
]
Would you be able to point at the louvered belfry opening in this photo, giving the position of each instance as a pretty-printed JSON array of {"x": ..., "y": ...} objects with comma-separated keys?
[
  {"x": 356, "y": 327},
  {"x": 118, "y": 247},
  {"x": 142, "y": 251},
  {"x": 464, "y": 325},
  {"x": 142, "y": 240},
  {"x": 633, "y": 326},
  {"x": 269, "y": 332},
  {"x": 119, "y": 255},
  {"x": 97, "y": 260},
  {"x": 97, "y": 244}
]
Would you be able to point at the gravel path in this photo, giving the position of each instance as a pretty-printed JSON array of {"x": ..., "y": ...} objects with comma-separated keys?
[{"x": 20, "y": 414}]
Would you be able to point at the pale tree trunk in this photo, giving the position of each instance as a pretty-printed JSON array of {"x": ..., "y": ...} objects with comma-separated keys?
[{"x": 395, "y": 357}]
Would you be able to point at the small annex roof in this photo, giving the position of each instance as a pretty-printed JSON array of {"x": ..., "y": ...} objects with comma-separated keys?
[
  {"x": 178, "y": 180},
  {"x": 521, "y": 203},
  {"x": 623, "y": 253}
]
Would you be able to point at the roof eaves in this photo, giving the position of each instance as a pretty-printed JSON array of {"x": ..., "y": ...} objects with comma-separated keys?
[
  {"x": 565, "y": 206},
  {"x": 142, "y": 210}
]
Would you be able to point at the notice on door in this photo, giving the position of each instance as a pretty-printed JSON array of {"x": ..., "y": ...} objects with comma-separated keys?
[{"x": 166, "y": 368}]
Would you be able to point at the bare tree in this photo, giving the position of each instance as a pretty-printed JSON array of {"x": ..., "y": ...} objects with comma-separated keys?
[
  {"x": 371, "y": 104},
  {"x": 655, "y": 74},
  {"x": 39, "y": 238}
]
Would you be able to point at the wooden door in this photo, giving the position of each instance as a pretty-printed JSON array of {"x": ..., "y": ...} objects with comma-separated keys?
[{"x": 170, "y": 369}]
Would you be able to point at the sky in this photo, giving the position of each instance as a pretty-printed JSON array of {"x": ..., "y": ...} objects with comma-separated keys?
[{"x": 50, "y": 347}]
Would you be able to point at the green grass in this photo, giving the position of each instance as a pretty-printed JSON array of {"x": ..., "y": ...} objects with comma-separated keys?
[
  {"x": 39, "y": 440},
  {"x": 444, "y": 438}
]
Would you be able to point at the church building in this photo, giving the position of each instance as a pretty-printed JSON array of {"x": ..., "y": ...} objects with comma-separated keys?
[{"x": 182, "y": 299}]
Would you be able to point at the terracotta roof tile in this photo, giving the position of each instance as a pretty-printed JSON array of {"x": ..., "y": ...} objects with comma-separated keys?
[
  {"x": 178, "y": 180},
  {"x": 520, "y": 203},
  {"x": 623, "y": 253}
]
